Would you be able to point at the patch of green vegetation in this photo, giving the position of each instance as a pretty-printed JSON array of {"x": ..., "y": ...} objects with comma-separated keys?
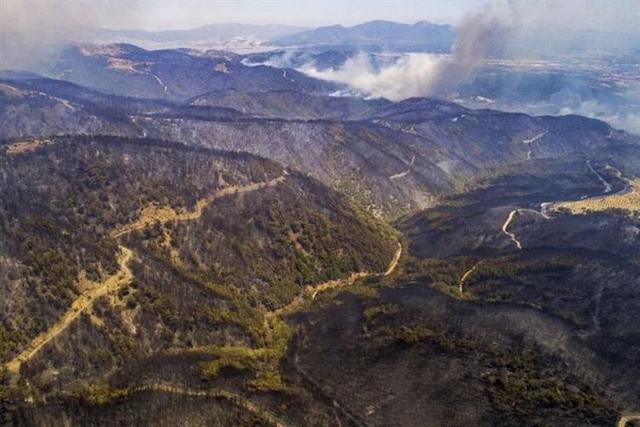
[
  {"x": 10, "y": 342},
  {"x": 97, "y": 394},
  {"x": 373, "y": 311},
  {"x": 413, "y": 335},
  {"x": 519, "y": 389},
  {"x": 264, "y": 362},
  {"x": 243, "y": 315},
  {"x": 4, "y": 379},
  {"x": 443, "y": 274}
]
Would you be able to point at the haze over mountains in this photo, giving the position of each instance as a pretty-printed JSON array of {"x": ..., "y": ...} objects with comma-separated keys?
[
  {"x": 268, "y": 236},
  {"x": 396, "y": 61}
]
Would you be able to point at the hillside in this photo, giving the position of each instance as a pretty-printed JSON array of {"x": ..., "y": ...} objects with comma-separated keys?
[
  {"x": 476, "y": 330},
  {"x": 190, "y": 238},
  {"x": 391, "y": 158},
  {"x": 31, "y": 112},
  {"x": 183, "y": 256},
  {"x": 173, "y": 74}
]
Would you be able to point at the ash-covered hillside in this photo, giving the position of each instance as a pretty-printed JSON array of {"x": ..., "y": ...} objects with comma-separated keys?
[
  {"x": 190, "y": 237},
  {"x": 391, "y": 158},
  {"x": 123, "y": 249}
]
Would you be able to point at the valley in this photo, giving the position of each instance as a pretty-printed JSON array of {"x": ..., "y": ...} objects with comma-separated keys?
[{"x": 191, "y": 236}]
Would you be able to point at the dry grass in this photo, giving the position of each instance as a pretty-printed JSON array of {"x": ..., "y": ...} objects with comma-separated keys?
[
  {"x": 629, "y": 201},
  {"x": 124, "y": 65},
  {"x": 21, "y": 147}
]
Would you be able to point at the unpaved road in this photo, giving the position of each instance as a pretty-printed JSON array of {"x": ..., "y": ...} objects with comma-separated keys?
[
  {"x": 535, "y": 138},
  {"x": 215, "y": 394},
  {"x": 405, "y": 173},
  {"x": 311, "y": 292},
  {"x": 124, "y": 274},
  {"x": 506, "y": 224},
  {"x": 466, "y": 275},
  {"x": 607, "y": 186},
  {"x": 153, "y": 214},
  {"x": 394, "y": 262},
  {"x": 625, "y": 198},
  {"x": 545, "y": 207},
  {"x": 80, "y": 305},
  {"x": 625, "y": 418},
  {"x": 531, "y": 141},
  {"x": 543, "y": 212}
]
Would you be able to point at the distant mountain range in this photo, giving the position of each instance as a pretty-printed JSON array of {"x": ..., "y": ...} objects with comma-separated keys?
[
  {"x": 206, "y": 34},
  {"x": 373, "y": 35},
  {"x": 421, "y": 36}
]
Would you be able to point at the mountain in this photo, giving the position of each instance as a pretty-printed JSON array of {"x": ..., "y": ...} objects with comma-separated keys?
[
  {"x": 402, "y": 157},
  {"x": 176, "y": 74},
  {"x": 200, "y": 35},
  {"x": 392, "y": 158},
  {"x": 25, "y": 111},
  {"x": 195, "y": 250},
  {"x": 289, "y": 104},
  {"x": 248, "y": 248},
  {"x": 422, "y": 36}
]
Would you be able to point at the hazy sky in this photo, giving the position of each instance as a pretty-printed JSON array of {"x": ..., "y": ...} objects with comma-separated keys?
[
  {"x": 612, "y": 15},
  {"x": 179, "y": 14}
]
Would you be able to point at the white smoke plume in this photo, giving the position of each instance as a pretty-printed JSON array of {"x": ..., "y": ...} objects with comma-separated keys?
[
  {"x": 423, "y": 74},
  {"x": 627, "y": 118},
  {"x": 30, "y": 30}
]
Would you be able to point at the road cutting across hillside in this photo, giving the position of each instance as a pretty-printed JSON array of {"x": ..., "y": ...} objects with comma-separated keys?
[{"x": 84, "y": 301}]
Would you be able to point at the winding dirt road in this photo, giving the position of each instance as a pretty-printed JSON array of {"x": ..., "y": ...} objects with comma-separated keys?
[
  {"x": 506, "y": 224},
  {"x": 607, "y": 186},
  {"x": 149, "y": 216},
  {"x": 154, "y": 214},
  {"x": 547, "y": 206},
  {"x": 394, "y": 262},
  {"x": 237, "y": 399},
  {"x": 466, "y": 275},
  {"x": 311, "y": 292},
  {"x": 535, "y": 138},
  {"x": 530, "y": 141},
  {"x": 626, "y": 418},
  {"x": 80, "y": 305},
  {"x": 405, "y": 173}
]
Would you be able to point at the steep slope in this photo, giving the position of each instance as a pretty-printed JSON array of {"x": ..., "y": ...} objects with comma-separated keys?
[
  {"x": 579, "y": 269},
  {"x": 290, "y": 104},
  {"x": 176, "y": 74},
  {"x": 406, "y": 154},
  {"x": 392, "y": 158},
  {"x": 26, "y": 112},
  {"x": 115, "y": 251},
  {"x": 357, "y": 158},
  {"x": 476, "y": 331}
]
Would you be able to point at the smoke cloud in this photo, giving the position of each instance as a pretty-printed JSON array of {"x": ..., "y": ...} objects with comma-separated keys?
[
  {"x": 629, "y": 119},
  {"x": 423, "y": 74},
  {"x": 31, "y": 30}
]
